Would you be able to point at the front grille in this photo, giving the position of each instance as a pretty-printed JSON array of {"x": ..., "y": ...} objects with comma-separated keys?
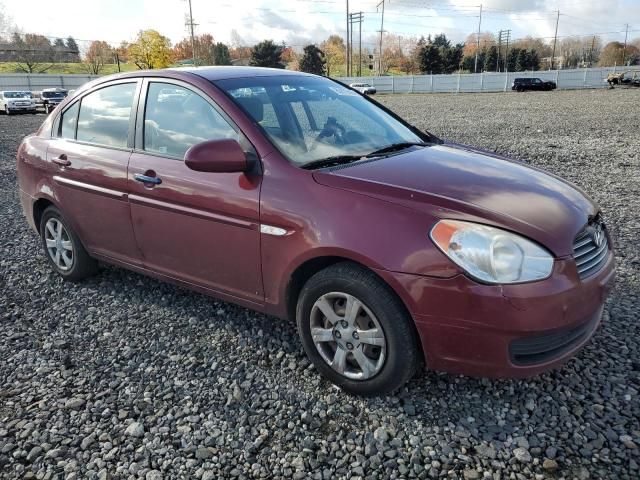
[
  {"x": 590, "y": 249},
  {"x": 544, "y": 348}
]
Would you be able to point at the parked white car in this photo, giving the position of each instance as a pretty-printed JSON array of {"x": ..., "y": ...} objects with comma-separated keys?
[
  {"x": 364, "y": 88},
  {"x": 16, "y": 101}
]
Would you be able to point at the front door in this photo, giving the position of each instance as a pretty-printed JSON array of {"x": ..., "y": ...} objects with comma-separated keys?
[
  {"x": 199, "y": 227},
  {"x": 90, "y": 153}
]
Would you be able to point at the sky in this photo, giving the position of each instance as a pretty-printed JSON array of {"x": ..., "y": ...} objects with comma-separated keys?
[{"x": 299, "y": 22}]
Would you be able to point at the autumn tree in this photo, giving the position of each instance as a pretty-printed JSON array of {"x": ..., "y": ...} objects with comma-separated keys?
[
  {"x": 313, "y": 60},
  {"x": 335, "y": 54},
  {"x": 203, "y": 46},
  {"x": 150, "y": 50},
  {"x": 33, "y": 53},
  {"x": 221, "y": 55},
  {"x": 122, "y": 52},
  {"x": 267, "y": 54},
  {"x": 98, "y": 54}
]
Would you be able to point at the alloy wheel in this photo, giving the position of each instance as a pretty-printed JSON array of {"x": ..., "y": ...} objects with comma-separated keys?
[
  {"x": 59, "y": 244},
  {"x": 348, "y": 336}
]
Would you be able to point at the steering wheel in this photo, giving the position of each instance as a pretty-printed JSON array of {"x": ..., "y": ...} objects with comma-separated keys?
[{"x": 332, "y": 129}]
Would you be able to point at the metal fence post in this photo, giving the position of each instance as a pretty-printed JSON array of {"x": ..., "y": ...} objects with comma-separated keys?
[
  {"x": 506, "y": 80},
  {"x": 431, "y": 82},
  {"x": 557, "y": 78},
  {"x": 62, "y": 81},
  {"x": 413, "y": 79},
  {"x": 584, "y": 80},
  {"x": 481, "y": 82},
  {"x": 458, "y": 87}
]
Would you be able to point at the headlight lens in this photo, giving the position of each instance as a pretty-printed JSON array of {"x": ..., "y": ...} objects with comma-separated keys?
[{"x": 490, "y": 254}]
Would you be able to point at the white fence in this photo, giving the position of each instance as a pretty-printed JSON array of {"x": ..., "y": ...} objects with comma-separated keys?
[
  {"x": 483, "y": 82},
  {"x": 465, "y": 82},
  {"x": 38, "y": 81}
]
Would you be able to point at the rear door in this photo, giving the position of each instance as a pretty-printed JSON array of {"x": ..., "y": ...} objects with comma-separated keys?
[
  {"x": 199, "y": 227},
  {"x": 92, "y": 143}
]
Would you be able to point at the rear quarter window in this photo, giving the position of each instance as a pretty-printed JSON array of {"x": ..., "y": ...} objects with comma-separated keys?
[{"x": 104, "y": 115}]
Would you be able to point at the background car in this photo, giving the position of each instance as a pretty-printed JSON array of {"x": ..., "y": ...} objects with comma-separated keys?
[
  {"x": 523, "y": 84},
  {"x": 364, "y": 88},
  {"x": 49, "y": 98},
  {"x": 16, "y": 101}
]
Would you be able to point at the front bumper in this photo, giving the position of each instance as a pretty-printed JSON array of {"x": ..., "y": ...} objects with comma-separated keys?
[
  {"x": 505, "y": 331},
  {"x": 22, "y": 108}
]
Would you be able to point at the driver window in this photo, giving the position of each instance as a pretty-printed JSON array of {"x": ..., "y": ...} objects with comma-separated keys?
[{"x": 177, "y": 118}]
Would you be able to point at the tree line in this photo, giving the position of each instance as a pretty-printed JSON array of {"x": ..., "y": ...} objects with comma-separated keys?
[{"x": 32, "y": 53}]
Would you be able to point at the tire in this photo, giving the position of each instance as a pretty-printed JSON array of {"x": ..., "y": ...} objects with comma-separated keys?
[
  {"x": 390, "y": 359},
  {"x": 519, "y": 89},
  {"x": 6, "y": 110},
  {"x": 74, "y": 264}
]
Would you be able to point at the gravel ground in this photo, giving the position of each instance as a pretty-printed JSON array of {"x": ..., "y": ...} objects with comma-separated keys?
[{"x": 127, "y": 377}]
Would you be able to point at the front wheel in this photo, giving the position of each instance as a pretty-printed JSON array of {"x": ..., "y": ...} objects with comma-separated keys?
[
  {"x": 6, "y": 110},
  {"x": 63, "y": 248},
  {"x": 356, "y": 331}
]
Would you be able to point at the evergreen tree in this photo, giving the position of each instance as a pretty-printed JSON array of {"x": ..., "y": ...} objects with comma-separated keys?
[
  {"x": 430, "y": 59},
  {"x": 491, "y": 59},
  {"x": 74, "y": 51},
  {"x": 533, "y": 60},
  {"x": 522, "y": 61},
  {"x": 512, "y": 60},
  {"x": 266, "y": 54},
  {"x": 313, "y": 60},
  {"x": 441, "y": 40},
  {"x": 221, "y": 54},
  {"x": 451, "y": 57}
]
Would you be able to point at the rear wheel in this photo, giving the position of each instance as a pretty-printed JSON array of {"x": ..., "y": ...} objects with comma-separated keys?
[
  {"x": 63, "y": 248},
  {"x": 356, "y": 331}
]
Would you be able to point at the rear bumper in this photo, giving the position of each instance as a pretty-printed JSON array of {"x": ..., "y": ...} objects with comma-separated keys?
[
  {"x": 505, "y": 331},
  {"x": 27, "y": 202}
]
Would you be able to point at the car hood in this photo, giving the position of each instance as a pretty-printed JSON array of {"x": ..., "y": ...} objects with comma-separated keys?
[{"x": 455, "y": 181}]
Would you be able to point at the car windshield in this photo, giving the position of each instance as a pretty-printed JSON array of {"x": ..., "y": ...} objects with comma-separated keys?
[
  {"x": 17, "y": 95},
  {"x": 53, "y": 94},
  {"x": 311, "y": 119}
]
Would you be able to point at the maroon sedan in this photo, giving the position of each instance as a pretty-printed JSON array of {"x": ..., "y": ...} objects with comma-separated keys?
[{"x": 296, "y": 196}]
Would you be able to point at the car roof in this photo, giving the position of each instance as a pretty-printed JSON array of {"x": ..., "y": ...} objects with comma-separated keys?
[{"x": 225, "y": 72}]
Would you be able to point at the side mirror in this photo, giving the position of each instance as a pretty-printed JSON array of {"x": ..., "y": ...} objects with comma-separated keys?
[{"x": 217, "y": 156}]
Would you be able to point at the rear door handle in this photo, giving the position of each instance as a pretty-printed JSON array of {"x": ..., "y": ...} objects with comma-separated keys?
[
  {"x": 62, "y": 160},
  {"x": 147, "y": 179}
]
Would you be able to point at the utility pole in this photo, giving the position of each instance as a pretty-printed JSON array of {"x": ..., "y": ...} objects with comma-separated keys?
[
  {"x": 507, "y": 34},
  {"x": 347, "y": 40},
  {"x": 354, "y": 18},
  {"x": 624, "y": 49},
  {"x": 475, "y": 65},
  {"x": 555, "y": 40},
  {"x": 381, "y": 32},
  {"x": 190, "y": 24},
  {"x": 499, "y": 50},
  {"x": 360, "y": 45}
]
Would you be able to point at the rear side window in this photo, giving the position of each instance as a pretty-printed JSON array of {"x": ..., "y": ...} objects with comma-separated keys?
[
  {"x": 104, "y": 115},
  {"x": 68, "y": 122},
  {"x": 177, "y": 118}
]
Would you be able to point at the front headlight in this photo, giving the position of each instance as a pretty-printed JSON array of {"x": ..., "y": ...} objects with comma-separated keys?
[{"x": 490, "y": 254}]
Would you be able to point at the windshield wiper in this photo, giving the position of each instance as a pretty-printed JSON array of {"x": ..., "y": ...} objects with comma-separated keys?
[
  {"x": 394, "y": 147},
  {"x": 330, "y": 161}
]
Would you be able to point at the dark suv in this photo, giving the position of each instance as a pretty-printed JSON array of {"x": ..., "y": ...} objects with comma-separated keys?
[{"x": 522, "y": 84}]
